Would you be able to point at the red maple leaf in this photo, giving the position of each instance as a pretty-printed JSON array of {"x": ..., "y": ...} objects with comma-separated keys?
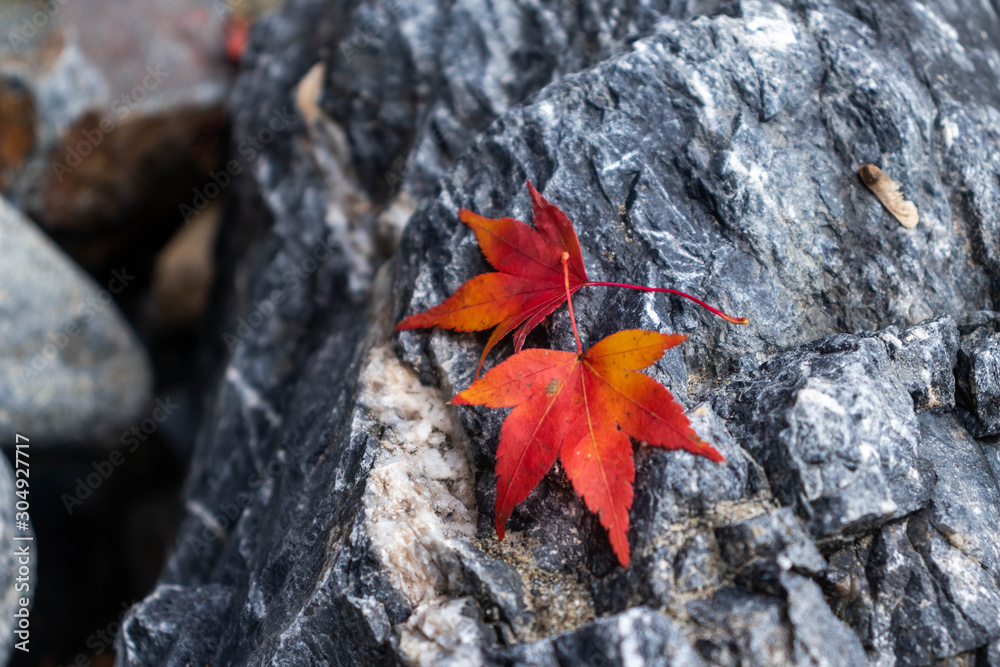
[
  {"x": 581, "y": 408},
  {"x": 528, "y": 283}
]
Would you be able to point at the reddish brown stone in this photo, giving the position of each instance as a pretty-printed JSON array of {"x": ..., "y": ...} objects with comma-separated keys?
[{"x": 17, "y": 128}]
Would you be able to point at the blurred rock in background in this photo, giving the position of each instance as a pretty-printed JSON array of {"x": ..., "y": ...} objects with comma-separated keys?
[
  {"x": 112, "y": 124},
  {"x": 112, "y": 113},
  {"x": 185, "y": 269},
  {"x": 71, "y": 369}
]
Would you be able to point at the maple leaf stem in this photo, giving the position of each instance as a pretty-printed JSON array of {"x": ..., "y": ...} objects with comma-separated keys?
[
  {"x": 569, "y": 301},
  {"x": 716, "y": 311}
]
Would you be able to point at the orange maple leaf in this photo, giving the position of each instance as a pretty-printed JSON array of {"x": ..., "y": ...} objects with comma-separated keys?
[
  {"x": 528, "y": 283},
  {"x": 582, "y": 407}
]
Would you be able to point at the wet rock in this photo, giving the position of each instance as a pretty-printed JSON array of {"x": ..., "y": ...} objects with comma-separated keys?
[
  {"x": 931, "y": 585},
  {"x": 678, "y": 502},
  {"x": 741, "y": 626},
  {"x": 71, "y": 369},
  {"x": 169, "y": 629},
  {"x": 980, "y": 318},
  {"x": 695, "y": 566},
  {"x": 836, "y": 432},
  {"x": 978, "y": 375},
  {"x": 904, "y": 623},
  {"x": 926, "y": 366},
  {"x": 795, "y": 626},
  {"x": 349, "y": 507},
  {"x": 845, "y": 582},
  {"x": 990, "y": 655},
  {"x": 778, "y": 533},
  {"x": 118, "y": 114},
  {"x": 820, "y": 637},
  {"x": 450, "y": 634},
  {"x": 385, "y": 109},
  {"x": 640, "y": 636}
]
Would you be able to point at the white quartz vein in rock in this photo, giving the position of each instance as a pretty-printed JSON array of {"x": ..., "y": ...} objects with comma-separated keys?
[{"x": 418, "y": 502}]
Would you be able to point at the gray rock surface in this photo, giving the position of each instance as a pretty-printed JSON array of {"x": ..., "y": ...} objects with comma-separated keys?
[
  {"x": 346, "y": 508},
  {"x": 836, "y": 433},
  {"x": 933, "y": 576},
  {"x": 71, "y": 369},
  {"x": 978, "y": 381},
  {"x": 193, "y": 614}
]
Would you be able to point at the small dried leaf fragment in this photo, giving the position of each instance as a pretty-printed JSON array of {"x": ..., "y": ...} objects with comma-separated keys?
[
  {"x": 887, "y": 191},
  {"x": 307, "y": 93}
]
